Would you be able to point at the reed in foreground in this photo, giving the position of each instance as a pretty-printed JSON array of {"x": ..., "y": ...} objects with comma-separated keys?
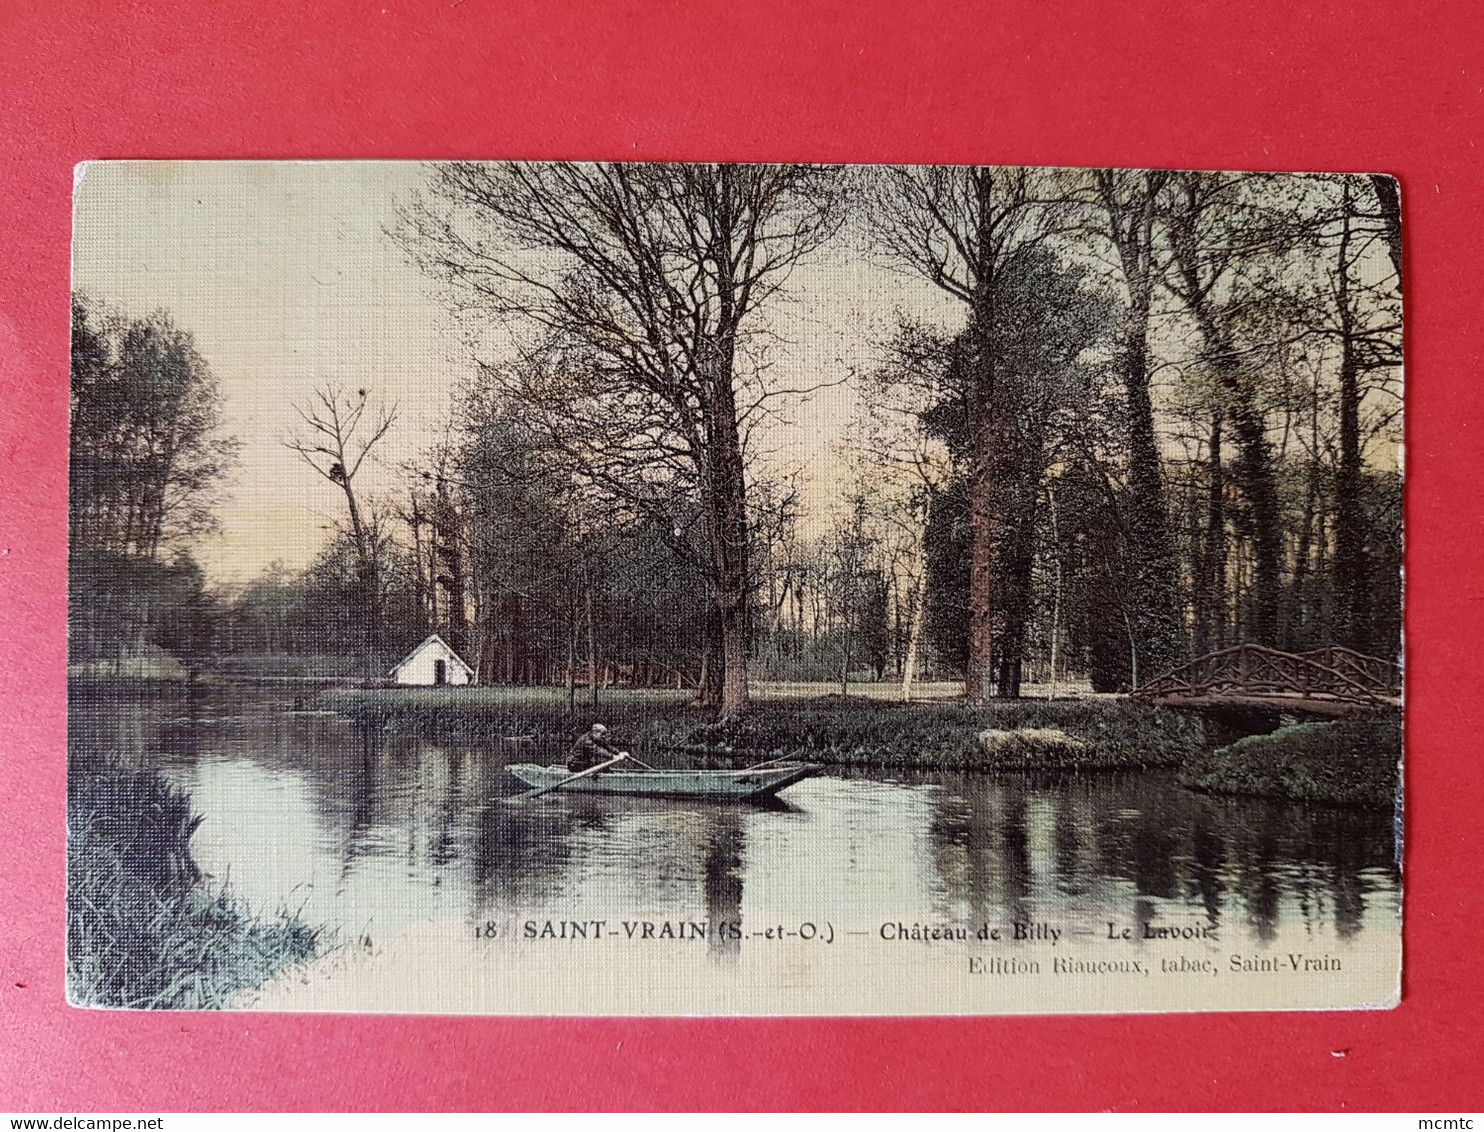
[{"x": 144, "y": 930}]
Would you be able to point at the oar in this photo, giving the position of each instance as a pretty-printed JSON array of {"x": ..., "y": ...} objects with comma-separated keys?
[
  {"x": 770, "y": 762},
  {"x": 536, "y": 793}
]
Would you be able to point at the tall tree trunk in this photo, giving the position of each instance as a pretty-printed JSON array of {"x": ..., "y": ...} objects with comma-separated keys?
[
  {"x": 1300, "y": 632},
  {"x": 1056, "y": 591},
  {"x": 1389, "y": 200},
  {"x": 724, "y": 467},
  {"x": 420, "y": 584},
  {"x": 919, "y": 605},
  {"x": 898, "y": 626},
  {"x": 1211, "y": 588},
  {"x": 572, "y": 658},
  {"x": 1352, "y": 570},
  {"x": 979, "y": 673},
  {"x": 369, "y": 598},
  {"x": 449, "y": 540},
  {"x": 727, "y": 528},
  {"x": 1255, "y": 466},
  {"x": 1297, "y": 636},
  {"x": 1256, "y": 476},
  {"x": 487, "y": 658},
  {"x": 1130, "y": 199},
  {"x": 1016, "y": 561},
  {"x": 845, "y": 654},
  {"x": 592, "y": 637},
  {"x": 1156, "y": 620},
  {"x": 709, "y": 682}
]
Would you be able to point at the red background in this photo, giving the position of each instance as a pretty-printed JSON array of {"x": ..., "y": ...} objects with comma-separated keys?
[{"x": 1372, "y": 85}]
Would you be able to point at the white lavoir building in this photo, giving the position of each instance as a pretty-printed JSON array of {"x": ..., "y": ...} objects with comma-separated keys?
[{"x": 433, "y": 662}]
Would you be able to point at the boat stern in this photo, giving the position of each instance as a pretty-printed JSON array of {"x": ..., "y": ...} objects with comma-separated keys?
[{"x": 777, "y": 778}]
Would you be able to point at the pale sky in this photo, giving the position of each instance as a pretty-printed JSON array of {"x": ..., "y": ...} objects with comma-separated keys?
[{"x": 285, "y": 275}]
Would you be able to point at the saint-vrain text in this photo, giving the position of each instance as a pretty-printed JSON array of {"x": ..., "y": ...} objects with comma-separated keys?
[{"x": 642, "y": 930}]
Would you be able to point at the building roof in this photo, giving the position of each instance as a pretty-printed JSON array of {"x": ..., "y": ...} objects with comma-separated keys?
[{"x": 431, "y": 637}]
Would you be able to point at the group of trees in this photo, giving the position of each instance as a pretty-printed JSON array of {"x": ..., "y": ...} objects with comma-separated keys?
[
  {"x": 147, "y": 454},
  {"x": 637, "y": 295},
  {"x": 1169, "y": 395},
  {"x": 1162, "y": 421},
  {"x": 1155, "y": 414}
]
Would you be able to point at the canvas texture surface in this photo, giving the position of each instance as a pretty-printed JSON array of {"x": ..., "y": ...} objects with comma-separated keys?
[{"x": 655, "y": 589}]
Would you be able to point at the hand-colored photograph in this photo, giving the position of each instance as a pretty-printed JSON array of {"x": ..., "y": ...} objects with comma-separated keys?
[{"x": 710, "y": 589}]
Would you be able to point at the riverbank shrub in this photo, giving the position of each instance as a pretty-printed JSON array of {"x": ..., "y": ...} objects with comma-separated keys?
[
  {"x": 144, "y": 931},
  {"x": 1094, "y": 733},
  {"x": 1350, "y": 763},
  {"x": 1043, "y": 735}
]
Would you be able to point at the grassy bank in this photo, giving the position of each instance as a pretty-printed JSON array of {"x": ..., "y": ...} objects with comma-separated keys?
[
  {"x": 1038, "y": 735},
  {"x": 1345, "y": 764},
  {"x": 143, "y": 930},
  {"x": 1047, "y": 735}
]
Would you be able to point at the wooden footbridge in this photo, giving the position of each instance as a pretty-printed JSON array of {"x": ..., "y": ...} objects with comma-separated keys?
[{"x": 1328, "y": 683}]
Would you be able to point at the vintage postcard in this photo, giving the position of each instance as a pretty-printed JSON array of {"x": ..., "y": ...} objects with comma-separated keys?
[{"x": 734, "y": 589}]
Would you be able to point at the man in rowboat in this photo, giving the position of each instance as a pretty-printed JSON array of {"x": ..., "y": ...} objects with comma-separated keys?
[{"x": 591, "y": 749}]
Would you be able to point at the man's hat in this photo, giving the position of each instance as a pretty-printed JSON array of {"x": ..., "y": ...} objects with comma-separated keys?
[{"x": 600, "y": 728}]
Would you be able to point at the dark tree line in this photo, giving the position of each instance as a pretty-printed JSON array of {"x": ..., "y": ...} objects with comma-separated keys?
[
  {"x": 1166, "y": 408},
  {"x": 1222, "y": 449},
  {"x": 635, "y": 291},
  {"x": 1157, "y": 414},
  {"x": 147, "y": 455}
]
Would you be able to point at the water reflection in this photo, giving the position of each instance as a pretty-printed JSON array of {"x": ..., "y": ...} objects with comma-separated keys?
[
  {"x": 722, "y": 873},
  {"x": 371, "y": 831},
  {"x": 1082, "y": 836}
]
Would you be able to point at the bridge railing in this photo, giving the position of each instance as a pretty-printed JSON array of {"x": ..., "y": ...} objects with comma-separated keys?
[
  {"x": 1250, "y": 669},
  {"x": 1369, "y": 670}
]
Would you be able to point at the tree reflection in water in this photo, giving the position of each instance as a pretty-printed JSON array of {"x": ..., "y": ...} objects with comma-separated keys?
[
  {"x": 1134, "y": 843},
  {"x": 722, "y": 875},
  {"x": 396, "y": 828}
]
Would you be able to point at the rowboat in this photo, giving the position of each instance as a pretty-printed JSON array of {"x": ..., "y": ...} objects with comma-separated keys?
[{"x": 747, "y": 784}]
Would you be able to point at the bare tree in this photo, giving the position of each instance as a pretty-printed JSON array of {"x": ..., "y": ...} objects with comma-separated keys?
[
  {"x": 640, "y": 287},
  {"x": 906, "y": 466},
  {"x": 1214, "y": 233},
  {"x": 1365, "y": 319},
  {"x": 340, "y": 430},
  {"x": 1389, "y": 208}
]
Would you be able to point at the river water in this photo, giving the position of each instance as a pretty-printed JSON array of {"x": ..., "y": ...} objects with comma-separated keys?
[{"x": 443, "y": 898}]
